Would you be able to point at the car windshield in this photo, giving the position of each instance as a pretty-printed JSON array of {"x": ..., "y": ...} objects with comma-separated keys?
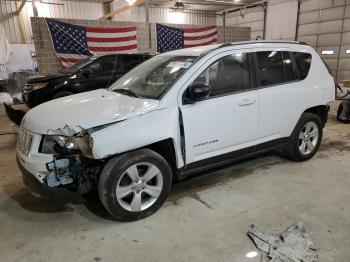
[
  {"x": 78, "y": 65},
  {"x": 153, "y": 77}
]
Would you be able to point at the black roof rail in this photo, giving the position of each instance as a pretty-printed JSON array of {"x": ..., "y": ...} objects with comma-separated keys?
[
  {"x": 303, "y": 43},
  {"x": 259, "y": 41}
]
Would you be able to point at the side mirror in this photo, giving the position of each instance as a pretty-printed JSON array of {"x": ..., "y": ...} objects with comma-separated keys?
[{"x": 196, "y": 92}]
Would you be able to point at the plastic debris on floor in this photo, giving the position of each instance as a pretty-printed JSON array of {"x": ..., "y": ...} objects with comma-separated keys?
[{"x": 293, "y": 245}]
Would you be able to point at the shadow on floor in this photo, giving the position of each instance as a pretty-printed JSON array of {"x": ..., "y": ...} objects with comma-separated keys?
[{"x": 188, "y": 188}]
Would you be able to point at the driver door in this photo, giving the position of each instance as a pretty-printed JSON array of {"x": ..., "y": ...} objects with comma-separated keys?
[{"x": 228, "y": 119}]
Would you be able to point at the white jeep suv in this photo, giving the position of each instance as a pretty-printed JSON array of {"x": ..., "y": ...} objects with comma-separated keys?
[{"x": 178, "y": 113}]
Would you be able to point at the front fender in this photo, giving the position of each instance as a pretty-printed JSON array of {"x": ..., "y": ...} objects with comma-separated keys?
[{"x": 137, "y": 132}]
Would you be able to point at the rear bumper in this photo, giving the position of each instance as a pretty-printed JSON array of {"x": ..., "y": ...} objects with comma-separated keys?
[
  {"x": 40, "y": 190},
  {"x": 14, "y": 115}
]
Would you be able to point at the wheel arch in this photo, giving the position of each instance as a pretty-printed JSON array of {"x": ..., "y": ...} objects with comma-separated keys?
[
  {"x": 321, "y": 111},
  {"x": 165, "y": 148}
]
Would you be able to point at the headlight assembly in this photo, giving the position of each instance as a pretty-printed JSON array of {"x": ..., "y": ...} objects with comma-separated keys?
[
  {"x": 39, "y": 85},
  {"x": 58, "y": 144},
  {"x": 66, "y": 142}
]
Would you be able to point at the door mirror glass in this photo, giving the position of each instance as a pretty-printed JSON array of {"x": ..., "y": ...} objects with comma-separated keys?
[{"x": 198, "y": 91}]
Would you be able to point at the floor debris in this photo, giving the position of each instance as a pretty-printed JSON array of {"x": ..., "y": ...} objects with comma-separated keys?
[{"x": 293, "y": 245}]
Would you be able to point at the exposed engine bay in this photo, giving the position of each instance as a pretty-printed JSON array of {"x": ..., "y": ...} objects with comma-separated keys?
[
  {"x": 73, "y": 166},
  {"x": 75, "y": 173}
]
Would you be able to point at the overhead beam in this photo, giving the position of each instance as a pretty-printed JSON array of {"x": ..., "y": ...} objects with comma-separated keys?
[
  {"x": 20, "y": 7},
  {"x": 123, "y": 9}
]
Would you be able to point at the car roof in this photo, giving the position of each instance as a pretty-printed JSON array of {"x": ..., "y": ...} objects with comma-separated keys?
[{"x": 200, "y": 50}]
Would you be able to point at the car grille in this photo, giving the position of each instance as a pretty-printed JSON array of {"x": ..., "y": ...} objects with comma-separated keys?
[
  {"x": 24, "y": 141},
  {"x": 27, "y": 89}
]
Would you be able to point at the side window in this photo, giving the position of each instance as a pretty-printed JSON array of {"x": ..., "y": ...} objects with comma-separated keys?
[
  {"x": 108, "y": 64},
  {"x": 270, "y": 66},
  {"x": 131, "y": 62},
  {"x": 94, "y": 67},
  {"x": 227, "y": 75},
  {"x": 288, "y": 67},
  {"x": 303, "y": 63}
]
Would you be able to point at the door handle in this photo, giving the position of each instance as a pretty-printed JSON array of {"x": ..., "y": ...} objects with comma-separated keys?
[{"x": 247, "y": 102}]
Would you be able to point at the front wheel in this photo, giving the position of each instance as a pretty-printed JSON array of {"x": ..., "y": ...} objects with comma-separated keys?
[
  {"x": 306, "y": 138},
  {"x": 134, "y": 185}
]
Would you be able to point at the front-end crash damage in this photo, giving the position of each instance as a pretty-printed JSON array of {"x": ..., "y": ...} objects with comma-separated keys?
[
  {"x": 73, "y": 166},
  {"x": 63, "y": 155}
]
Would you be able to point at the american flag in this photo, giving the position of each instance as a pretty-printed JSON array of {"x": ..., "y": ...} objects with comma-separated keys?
[
  {"x": 73, "y": 43},
  {"x": 170, "y": 38}
]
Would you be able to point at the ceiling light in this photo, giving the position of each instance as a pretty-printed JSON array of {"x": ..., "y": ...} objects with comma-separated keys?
[
  {"x": 131, "y": 2},
  {"x": 327, "y": 52}
]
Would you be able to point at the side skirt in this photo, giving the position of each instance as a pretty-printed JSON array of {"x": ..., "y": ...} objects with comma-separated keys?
[{"x": 230, "y": 158}]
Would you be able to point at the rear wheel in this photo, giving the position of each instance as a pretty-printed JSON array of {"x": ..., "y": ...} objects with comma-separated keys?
[
  {"x": 135, "y": 185},
  {"x": 306, "y": 138}
]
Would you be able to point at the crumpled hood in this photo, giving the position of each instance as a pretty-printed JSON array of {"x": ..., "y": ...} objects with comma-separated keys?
[{"x": 72, "y": 114}]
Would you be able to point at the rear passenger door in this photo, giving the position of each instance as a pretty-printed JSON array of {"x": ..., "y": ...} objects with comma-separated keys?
[{"x": 282, "y": 96}]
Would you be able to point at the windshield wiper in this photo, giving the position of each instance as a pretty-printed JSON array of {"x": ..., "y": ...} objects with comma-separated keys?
[{"x": 126, "y": 91}]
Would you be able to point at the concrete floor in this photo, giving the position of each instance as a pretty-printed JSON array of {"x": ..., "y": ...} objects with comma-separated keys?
[{"x": 205, "y": 219}]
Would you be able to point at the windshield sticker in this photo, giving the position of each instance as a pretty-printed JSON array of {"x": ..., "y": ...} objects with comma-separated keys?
[{"x": 179, "y": 64}]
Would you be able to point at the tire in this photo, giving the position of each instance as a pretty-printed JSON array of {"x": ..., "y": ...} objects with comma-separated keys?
[
  {"x": 62, "y": 94},
  {"x": 119, "y": 188},
  {"x": 343, "y": 114},
  {"x": 296, "y": 150}
]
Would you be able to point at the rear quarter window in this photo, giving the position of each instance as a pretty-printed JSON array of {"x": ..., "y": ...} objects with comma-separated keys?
[{"x": 303, "y": 63}]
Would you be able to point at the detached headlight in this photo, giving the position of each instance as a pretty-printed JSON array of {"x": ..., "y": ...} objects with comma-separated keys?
[
  {"x": 39, "y": 85},
  {"x": 58, "y": 144}
]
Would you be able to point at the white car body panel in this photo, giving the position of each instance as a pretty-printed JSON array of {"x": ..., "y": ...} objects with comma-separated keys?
[
  {"x": 72, "y": 114},
  {"x": 35, "y": 162},
  {"x": 140, "y": 122},
  {"x": 212, "y": 133},
  {"x": 138, "y": 132},
  {"x": 208, "y": 131},
  {"x": 282, "y": 105}
]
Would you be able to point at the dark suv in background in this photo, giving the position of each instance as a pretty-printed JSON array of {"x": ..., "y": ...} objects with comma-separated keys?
[{"x": 87, "y": 75}]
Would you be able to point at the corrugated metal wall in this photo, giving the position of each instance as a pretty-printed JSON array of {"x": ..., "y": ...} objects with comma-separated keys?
[
  {"x": 253, "y": 17},
  {"x": 61, "y": 9},
  {"x": 281, "y": 19},
  {"x": 164, "y": 15},
  {"x": 9, "y": 20},
  {"x": 325, "y": 25}
]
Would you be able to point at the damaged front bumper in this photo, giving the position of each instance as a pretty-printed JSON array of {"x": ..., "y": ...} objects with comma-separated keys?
[
  {"x": 15, "y": 114},
  {"x": 54, "y": 176},
  {"x": 43, "y": 191}
]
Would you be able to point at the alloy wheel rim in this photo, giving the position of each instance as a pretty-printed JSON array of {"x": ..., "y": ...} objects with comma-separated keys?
[
  {"x": 139, "y": 187},
  {"x": 308, "y": 138}
]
